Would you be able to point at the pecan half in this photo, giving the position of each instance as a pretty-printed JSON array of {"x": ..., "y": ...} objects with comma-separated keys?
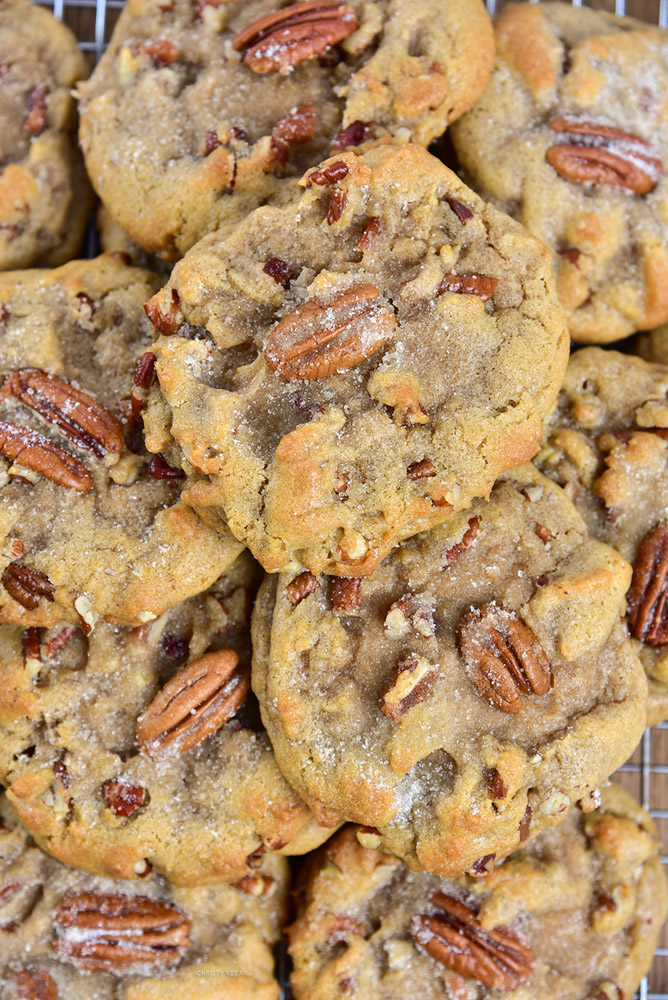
[
  {"x": 454, "y": 937},
  {"x": 647, "y": 605},
  {"x": 36, "y": 985},
  {"x": 600, "y": 154},
  {"x": 34, "y": 451},
  {"x": 468, "y": 284},
  {"x": 279, "y": 41},
  {"x": 195, "y": 703},
  {"x": 411, "y": 683},
  {"x": 80, "y": 417},
  {"x": 326, "y": 336},
  {"x": 122, "y": 798},
  {"x": 502, "y": 657},
  {"x": 26, "y": 585},
  {"x": 110, "y": 932}
]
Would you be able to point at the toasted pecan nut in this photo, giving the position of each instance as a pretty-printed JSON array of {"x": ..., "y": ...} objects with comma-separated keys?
[
  {"x": 502, "y": 657},
  {"x": 326, "y": 336},
  {"x": 111, "y": 932},
  {"x": 299, "y": 588},
  {"x": 34, "y": 451},
  {"x": 647, "y": 606},
  {"x": 31, "y": 645},
  {"x": 36, "y": 985},
  {"x": 298, "y": 125},
  {"x": 411, "y": 683},
  {"x": 37, "y": 118},
  {"x": 279, "y": 41},
  {"x": 75, "y": 413},
  {"x": 353, "y": 135},
  {"x": 454, "y": 937},
  {"x": 469, "y": 536},
  {"x": 346, "y": 595},
  {"x": 166, "y": 323},
  {"x": 601, "y": 154},
  {"x": 26, "y": 585},
  {"x": 123, "y": 798},
  {"x": 468, "y": 284},
  {"x": 193, "y": 705}
]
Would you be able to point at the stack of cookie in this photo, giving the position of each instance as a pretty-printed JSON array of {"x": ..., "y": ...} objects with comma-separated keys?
[{"x": 319, "y": 536}]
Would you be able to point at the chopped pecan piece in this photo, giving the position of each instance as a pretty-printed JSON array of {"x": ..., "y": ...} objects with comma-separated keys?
[
  {"x": 59, "y": 640},
  {"x": 325, "y": 336},
  {"x": 279, "y": 270},
  {"x": 299, "y": 125},
  {"x": 369, "y": 233},
  {"x": 76, "y": 414},
  {"x": 330, "y": 174},
  {"x": 257, "y": 885},
  {"x": 411, "y": 683},
  {"x": 145, "y": 370},
  {"x": 34, "y": 451},
  {"x": 37, "y": 118},
  {"x": 483, "y": 866},
  {"x": 344, "y": 925},
  {"x": 454, "y": 552},
  {"x": 454, "y": 937},
  {"x": 285, "y": 38},
  {"x": 301, "y": 587},
  {"x": 346, "y": 594},
  {"x": 496, "y": 787},
  {"x": 111, "y": 932},
  {"x": 461, "y": 211},
  {"x": 160, "y": 468},
  {"x": 337, "y": 204},
  {"x": 600, "y": 154},
  {"x": 32, "y": 649},
  {"x": 525, "y": 825},
  {"x": 62, "y": 774},
  {"x": 122, "y": 798},
  {"x": 193, "y": 705},
  {"x": 469, "y": 284},
  {"x": 36, "y": 985},
  {"x": 161, "y": 51},
  {"x": 647, "y": 605},
  {"x": 166, "y": 323},
  {"x": 409, "y": 612},
  {"x": 421, "y": 470},
  {"x": 502, "y": 657},
  {"x": 353, "y": 135},
  {"x": 27, "y": 586}
]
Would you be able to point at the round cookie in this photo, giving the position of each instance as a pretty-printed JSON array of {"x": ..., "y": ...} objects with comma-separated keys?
[
  {"x": 69, "y": 936},
  {"x": 213, "y": 108},
  {"x": 575, "y": 914},
  {"x": 140, "y": 750},
  {"x": 571, "y": 138},
  {"x": 88, "y": 528},
  {"x": 45, "y": 196},
  {"x": 465, "y": 695},
  {"x": 607, "y": 445},
  {"x": 346, "y": 371}
]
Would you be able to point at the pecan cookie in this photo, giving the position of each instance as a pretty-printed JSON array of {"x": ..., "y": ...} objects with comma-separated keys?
[
  {"x": 45, "y": 197},
  {"x": 346, "y": 371},
  {"x": 607, "y": 445},
  {"x": 213, "y": 108},
  {"x": 69, "y": 936},
  {"x": 571, "y": 137},
  {"x": 139, "y": 750},
  {"x": 576, "y": 914},
  {"x": 89, "y": 527},
  {"x": 465, "y": 695}
]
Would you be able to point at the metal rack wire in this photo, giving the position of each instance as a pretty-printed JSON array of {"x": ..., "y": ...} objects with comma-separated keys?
[{"x": 646, "y": 774}]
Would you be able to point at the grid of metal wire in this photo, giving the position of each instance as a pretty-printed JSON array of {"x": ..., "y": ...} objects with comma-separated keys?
[{"x": 646, "y": 774}]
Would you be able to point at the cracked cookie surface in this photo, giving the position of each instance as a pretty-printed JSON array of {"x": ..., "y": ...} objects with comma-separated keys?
[
  {"x": 45, "y": 196},
  {"x": 347, "y": 371},
  {"x": 86, "y": 529},
  {"x": 575, "y": 914},
  {"x": 571, "y": 138},
  {"x": 65, "y": 935},
  {"x": 139, "y": 750},
  {"x": 466, "y": 694},
  {"x": 607, "y": 445},
  {"x": 203, "y": 130}
]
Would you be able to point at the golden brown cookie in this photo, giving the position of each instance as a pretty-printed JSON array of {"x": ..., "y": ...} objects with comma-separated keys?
[
  {"x": 45, "y": 196},
  {"x": 213, "y": 108},
  {"x": 571, "y": 138},
  {"x": 344, "y": 372},
  {"x": 462, "y": 698},
  {"x": 90, "y": 525},
  {"x": 575, "y": 914}
]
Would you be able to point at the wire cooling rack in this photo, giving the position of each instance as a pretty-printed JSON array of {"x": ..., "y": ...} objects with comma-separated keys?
[{"x": 646, "y": 773}]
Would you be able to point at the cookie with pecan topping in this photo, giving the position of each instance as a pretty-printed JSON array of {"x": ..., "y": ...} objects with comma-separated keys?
[
  {"x": 482, "y": 685},
  {"x": 91, "y": 527},
  {"x": 570, "y": 138},
  {"x": 213, "y": 108},
  {"x": 575, "y": 914},
  {"x": 45, "y": 196},
  {"x": 65, "y": 935},
  {"x": 607, "y": 445},
  {"x": 344, "y": 372},
  {"x": 133, "y": 751}
]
